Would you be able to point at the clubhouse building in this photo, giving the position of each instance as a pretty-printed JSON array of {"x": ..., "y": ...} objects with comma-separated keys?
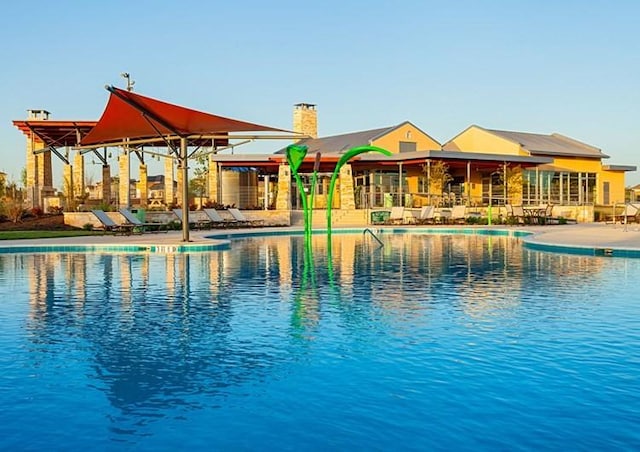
[{"x": 477, "y": 168}]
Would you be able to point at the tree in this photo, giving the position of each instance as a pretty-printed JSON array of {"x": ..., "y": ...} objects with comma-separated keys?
[
  {"x": 198, "y": 183},
  {"x": 437, "y": 176},
  {"x": 511, "y": 179}
]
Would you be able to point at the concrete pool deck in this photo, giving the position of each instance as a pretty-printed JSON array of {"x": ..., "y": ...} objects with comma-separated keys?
[{"x": 598, "y": 237}]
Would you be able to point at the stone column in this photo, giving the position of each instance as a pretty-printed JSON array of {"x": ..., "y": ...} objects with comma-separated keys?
[
  {"x": 68, "y": 186},
  {"x": 283, "y": 201},
  {"x": 347, "y": 198},
  {"x": 213, "y": 179},
  {"x": 33, "y": 189},
  {"x": 78, "y": 175},
  {"x": 169, "y": 195},
  {"x": 106, "y": 184},
  {"x": 179, "y": 184},
  {"x": 124, "y": 172},
  {"x": 45, "y": 175},
  {"x": 143, "y": 185}
]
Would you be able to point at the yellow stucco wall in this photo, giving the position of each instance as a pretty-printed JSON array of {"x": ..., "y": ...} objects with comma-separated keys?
[
  {"x": 577, "y": 164},
  {"x": 616, "y": 186},
  {"x": 406, "y": 132},
  {"x": 476, "y": 139}
]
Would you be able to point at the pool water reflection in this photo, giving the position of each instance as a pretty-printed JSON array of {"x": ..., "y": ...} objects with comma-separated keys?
[{"x": 427, "y": 342}]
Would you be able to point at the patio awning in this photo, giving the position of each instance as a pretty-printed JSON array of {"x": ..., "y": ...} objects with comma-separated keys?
[
  {"x": 55, "y": 133},
  {"x": 135, "y": 117}
]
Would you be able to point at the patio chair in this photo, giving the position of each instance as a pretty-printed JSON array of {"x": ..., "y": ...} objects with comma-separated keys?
[
  {"x": 427, "y": 215},
  {"x": 239, "y": 217},
  {"x": 217, "y": 220},
  {"x": 397, "y": 216},
  {"x": 140, "y": 225},
  {"x": 546, "y": 213},
  {"x": 195, "y": 221},
  {"x": 108, "y": 225},
  {"x": 458, "y": 214},
  {"x": 515, "y": 214}
]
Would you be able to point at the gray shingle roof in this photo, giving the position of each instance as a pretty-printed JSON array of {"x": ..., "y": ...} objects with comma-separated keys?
[
  {"x": 340, "y": 143},
  {"x": 554, "y": 144}
]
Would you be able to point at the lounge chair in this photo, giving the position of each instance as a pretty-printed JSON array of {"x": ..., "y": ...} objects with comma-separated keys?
[
  {"x": 108, "y": 225},
  {"x": 427, "y": 215},
  {"x": 630, "y": 214},
  {"x": 195, "y": 221},
  {"x": 397, "y": 216},
  {"x": 239, "y": 217},
  {"x": 140, "y": 225},
  {"x": 458, "y": 214},
  {"x": 217, "y": 220}
]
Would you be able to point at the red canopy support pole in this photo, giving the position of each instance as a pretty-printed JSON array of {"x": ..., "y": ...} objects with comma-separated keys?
[{"x": 185, "y": 188}]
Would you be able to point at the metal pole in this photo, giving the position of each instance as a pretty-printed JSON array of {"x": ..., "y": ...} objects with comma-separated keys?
[
  {"x": 185, "y": 189},
  {"x": 504, "y": 188},
  {"x": 468, "y": 183},
  {"x": 429, "y": 182},
  {"x": 400, "y": 194}
]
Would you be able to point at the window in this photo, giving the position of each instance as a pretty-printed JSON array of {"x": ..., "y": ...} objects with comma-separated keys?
[
  {"x": 558, "y": 187},
  {"x": 408, "y": 146}
]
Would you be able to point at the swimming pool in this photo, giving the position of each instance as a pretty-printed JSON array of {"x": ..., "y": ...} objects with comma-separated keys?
[{"x": 430, "y": 341}]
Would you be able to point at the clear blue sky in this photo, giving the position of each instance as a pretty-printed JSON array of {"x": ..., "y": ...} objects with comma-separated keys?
[{"x": 542, "y": 66}]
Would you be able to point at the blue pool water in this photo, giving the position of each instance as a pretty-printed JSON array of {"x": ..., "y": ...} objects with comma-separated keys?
[{"x": 430, "y": 342}]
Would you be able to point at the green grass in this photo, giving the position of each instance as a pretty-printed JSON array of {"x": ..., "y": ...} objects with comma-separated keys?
[{"x": 18, "y": 235}]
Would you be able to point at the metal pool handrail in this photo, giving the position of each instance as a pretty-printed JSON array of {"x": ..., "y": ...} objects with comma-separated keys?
[{"x": 373, "y": 235}]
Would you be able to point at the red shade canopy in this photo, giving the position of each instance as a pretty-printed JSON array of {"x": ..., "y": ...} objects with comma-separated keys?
[{"x": 136, "y": 117}]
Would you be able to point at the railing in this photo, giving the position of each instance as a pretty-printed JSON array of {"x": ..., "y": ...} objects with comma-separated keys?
[{"x": 373, "y": 235}]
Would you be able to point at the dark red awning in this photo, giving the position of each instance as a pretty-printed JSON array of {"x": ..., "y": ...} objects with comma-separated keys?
[
  {"x": 132, "y": 116},
  {"x": 55, "y": 133}
]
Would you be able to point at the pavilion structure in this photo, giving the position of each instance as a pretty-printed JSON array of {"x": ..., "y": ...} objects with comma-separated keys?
[{"x": 138, "y": 125}]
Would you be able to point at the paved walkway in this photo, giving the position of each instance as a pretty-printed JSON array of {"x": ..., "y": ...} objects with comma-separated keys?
[{"x": 593, "y": 235}]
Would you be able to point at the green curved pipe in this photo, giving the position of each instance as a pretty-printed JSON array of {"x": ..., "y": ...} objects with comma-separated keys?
[
  {"x": 295, "y": 156},
  {"x": 334, "y": 177}
]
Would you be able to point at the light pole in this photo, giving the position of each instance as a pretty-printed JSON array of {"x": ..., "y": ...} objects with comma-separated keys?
[
  {"x": 130, "y": 82},
  {"x": 127, "y": 199}
]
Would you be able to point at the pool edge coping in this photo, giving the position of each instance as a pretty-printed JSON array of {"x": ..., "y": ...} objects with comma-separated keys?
[{"x": 221, "y": 240}]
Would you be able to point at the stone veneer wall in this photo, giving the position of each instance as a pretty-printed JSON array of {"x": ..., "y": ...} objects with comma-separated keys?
[
  {"x": 283, "y": 200},
  {"x": 124, "y": 173},
  {"x": 68, "y": 184},
  {"x": 212, "y": 179},
  {"x": 347, "y": 197},
  {"x": 78, "y": 175},
  {"x": 143, "y": 186},
  {"x": 169, "y": 195},
  {"x": 106, "y": 184}
]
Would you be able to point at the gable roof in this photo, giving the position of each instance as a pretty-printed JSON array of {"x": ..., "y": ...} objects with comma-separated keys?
[
  {"x": 554, "y": 144},
  {"x": 339, "y": 144}
]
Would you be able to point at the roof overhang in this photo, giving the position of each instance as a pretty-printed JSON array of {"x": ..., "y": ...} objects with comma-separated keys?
[
  {"x": 585, "y": 155},
  {"x": 55, "y": 133},
  {"x": 458, "y": 156},
  {"x": 619, "y": 168},
  {"x": 454, "y": 158}
]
